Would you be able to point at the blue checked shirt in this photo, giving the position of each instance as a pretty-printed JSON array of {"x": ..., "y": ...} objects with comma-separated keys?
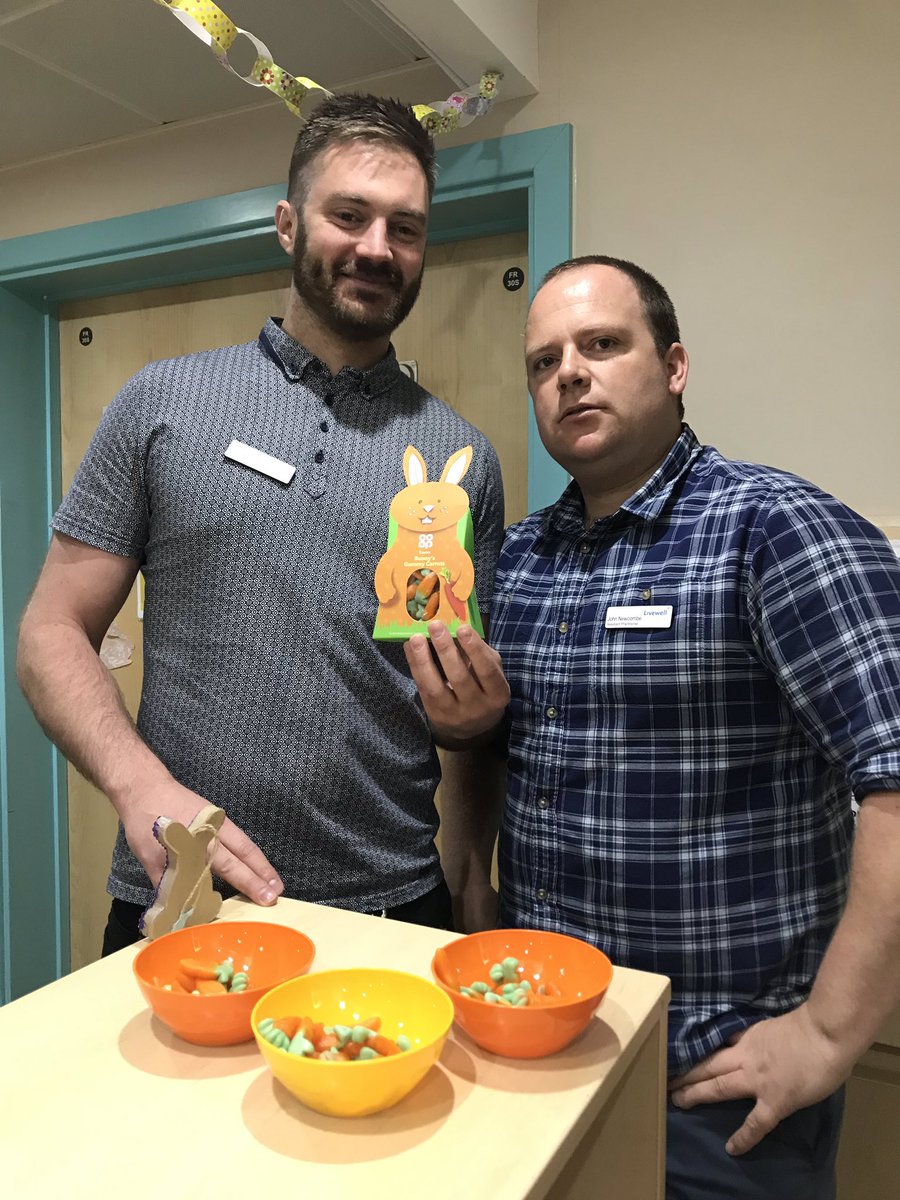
[{"x": 681, "y": 796}]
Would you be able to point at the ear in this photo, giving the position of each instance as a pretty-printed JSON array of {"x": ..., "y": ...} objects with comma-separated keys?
[
  {"x": 177, "y": 837},
  {"x": 676, "y": 364},
  {"x": 457, "y": 465},
  {"x": 414, "y": 467},
  {"x": 286, "y": 221}
]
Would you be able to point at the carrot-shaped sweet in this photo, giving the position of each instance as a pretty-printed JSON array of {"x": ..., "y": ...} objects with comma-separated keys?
[
  {"x": 288, "y": 1026},
  {"x": 210, "y": 987},
  {"x": 373, "y": 1023},
  {"x": 197, "y": 969},
  {"x": 383, "y": 1045},
  {"x": 432, "y": 606},
  {"x": 426, "y": 587}
]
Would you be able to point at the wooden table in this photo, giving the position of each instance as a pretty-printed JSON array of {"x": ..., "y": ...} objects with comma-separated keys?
[{"x": 100, "y": 1099}]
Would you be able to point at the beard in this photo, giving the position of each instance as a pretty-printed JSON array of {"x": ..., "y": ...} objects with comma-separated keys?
[{"x": 357, "y": 320}]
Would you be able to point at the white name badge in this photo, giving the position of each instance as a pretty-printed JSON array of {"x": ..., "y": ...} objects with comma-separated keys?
[
  {"x": 249, "y": 456},
  {"x": 639, "y": 616}
]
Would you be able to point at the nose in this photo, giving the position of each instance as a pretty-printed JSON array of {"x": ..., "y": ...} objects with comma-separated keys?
[
  {"x": 373, "y": 242},
  {"x": 571, "y": 371}
]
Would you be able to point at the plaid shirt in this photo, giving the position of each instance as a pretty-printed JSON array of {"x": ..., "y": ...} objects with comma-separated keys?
[{"x": 681, "y": 796}]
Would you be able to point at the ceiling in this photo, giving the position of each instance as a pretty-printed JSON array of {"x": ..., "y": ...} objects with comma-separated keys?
[{"x": 74, "y": 73}]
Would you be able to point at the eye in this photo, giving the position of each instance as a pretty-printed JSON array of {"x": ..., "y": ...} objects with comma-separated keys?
[
  {"x": 603, "y": 343},
  {"x": 406, "y": 233},
  {"x": 543, "y": 363},
  {"x": 346, "y": 216}
]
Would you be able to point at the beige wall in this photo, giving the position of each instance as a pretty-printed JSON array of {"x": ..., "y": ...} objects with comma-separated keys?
[{"x": 747, "y": 154}]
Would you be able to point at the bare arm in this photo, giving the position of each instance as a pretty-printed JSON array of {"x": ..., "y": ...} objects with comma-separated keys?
[
  {"x": 792, "y": 1061},
  {"x": 79, "y": 706},
  {"x": 473, "y": 788}
]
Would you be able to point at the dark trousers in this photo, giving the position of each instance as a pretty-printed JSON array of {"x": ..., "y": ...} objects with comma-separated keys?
[
  {"x": 795, "y": 1161},
  {"x": 434, "y": 909}
]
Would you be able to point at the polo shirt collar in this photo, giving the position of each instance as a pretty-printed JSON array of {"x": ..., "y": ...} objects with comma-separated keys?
[
  {"x": 567, "y": 514},
  {"x": 297, "y": 362}
]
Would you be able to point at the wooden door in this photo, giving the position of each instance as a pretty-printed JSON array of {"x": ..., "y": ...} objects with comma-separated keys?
[{"x": 465, "y": 335}]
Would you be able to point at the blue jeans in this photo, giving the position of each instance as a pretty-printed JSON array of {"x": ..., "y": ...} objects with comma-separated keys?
[{"x": 794, "y": 1162}]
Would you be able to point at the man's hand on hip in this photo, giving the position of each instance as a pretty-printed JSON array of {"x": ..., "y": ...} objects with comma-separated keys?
[{"x": 786, "y": 1063}]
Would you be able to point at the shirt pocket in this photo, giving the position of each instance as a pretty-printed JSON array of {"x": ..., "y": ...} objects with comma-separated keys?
[{"x": 690, "y": 662}]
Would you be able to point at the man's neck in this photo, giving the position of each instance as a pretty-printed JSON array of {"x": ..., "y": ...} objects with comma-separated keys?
[
  {"x": 602, "y": 498},
  {"x": 329, "y": 347}
]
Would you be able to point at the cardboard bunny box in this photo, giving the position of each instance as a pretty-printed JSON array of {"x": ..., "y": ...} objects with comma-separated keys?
[{"x": 427, "y": 571}]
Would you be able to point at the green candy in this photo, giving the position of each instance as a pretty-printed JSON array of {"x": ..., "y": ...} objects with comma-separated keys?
[
  {"x": 403, "y": 1042},
  {"x": 367, "y": 1052},
  {"x": 300, "y": 1045}
]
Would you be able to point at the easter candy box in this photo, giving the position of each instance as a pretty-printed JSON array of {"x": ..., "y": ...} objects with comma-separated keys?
[{"x": 427, "y": 570}]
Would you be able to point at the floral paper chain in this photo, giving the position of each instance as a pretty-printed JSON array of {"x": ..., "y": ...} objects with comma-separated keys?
[{"x": 217, "y": 31}]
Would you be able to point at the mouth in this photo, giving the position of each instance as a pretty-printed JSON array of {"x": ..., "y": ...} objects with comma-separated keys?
[
  {"x": 426, "y": 521},
  {"x": 578, "y": 411},
  {"x": 365, "y": 280}
]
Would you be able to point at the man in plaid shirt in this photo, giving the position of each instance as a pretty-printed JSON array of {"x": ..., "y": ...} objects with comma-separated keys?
[{"x": 696, "y": 669}]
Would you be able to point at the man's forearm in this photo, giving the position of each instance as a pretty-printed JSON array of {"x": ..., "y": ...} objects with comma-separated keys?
[
  {"x": 858, "y": 983},
  {"x": 473, "y": 789},
  {"x": 80, "y": 708}
]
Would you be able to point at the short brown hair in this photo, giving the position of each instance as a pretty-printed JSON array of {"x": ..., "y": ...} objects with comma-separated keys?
[{"x": 352, "y": 118}]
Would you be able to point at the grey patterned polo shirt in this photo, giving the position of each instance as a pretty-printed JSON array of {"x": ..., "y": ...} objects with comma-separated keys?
[{"x": 263, "y": 689}]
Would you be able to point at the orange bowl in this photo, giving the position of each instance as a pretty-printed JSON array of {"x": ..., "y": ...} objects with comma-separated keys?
[
  {"x": 576, "y": 973},
  {"x": 270, "y": 954}
]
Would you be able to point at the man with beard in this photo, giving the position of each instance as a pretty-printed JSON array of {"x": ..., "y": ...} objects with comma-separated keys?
[{"x": 263, "y": 690}]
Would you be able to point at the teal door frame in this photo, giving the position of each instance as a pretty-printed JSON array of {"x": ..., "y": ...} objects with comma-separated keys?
[{"x": 519, "y": 181}]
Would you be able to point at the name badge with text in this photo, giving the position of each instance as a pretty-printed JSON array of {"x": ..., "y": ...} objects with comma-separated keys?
[
  {"x": 266, "y": 464},
  {"x": 639, "y": 616}
]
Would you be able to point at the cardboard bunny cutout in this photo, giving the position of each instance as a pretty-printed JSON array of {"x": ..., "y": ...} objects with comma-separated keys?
[
  {"x": 427, "y": 570},
  {"x": 185, "y": 895}
]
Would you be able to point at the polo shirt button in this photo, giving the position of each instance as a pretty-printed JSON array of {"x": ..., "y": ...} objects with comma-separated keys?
[
  {"x": 563, "y": 627},
  {"x": 324, "y": 426},
  {"x": 552, "y": 712},
  {"x": 320, "y": 456},
  {"x": 646, "y": 594},
  {"x": 543, "y": 802},
  {"x": 328, "y": 399},
  {"x": 585, "y": 547},
  {"x": 541, "y": 894}
]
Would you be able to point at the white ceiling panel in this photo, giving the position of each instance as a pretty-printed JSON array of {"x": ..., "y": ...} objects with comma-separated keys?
[
  {"x": 44, "y": 113},
  {"x": 135, "y": 50},
  {"x": 77, "y": 72}
]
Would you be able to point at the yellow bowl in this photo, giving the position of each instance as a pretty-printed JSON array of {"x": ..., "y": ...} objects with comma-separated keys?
[{"x": 407, "y": 1004}]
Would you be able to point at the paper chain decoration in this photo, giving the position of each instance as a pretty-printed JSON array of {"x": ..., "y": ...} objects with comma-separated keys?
[{"x": 217, "y": 31}]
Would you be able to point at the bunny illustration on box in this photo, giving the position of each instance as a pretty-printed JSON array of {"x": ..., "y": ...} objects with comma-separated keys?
[{"x": 427, "y": 569}]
